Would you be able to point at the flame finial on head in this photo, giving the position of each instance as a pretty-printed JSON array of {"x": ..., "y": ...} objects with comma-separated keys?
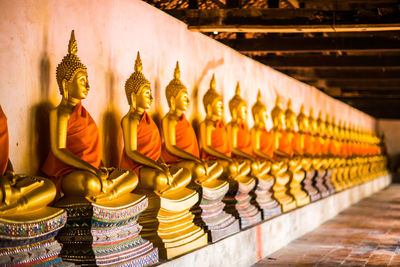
[
  {"x": 138, "y": 63},
  {"x": 72, "y": 45},
  {"x": 237, "y": 90},
  {"x": 236, "y": 100},
  {"x": 212, "y": 82},
  {"x": 177, "y": 72}
]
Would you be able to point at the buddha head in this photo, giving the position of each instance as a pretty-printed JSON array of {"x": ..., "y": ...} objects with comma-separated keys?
[
  {"x": 176, "y": 93},
  {"x": 278, "y": 115},
  {"x": 302, "y": 121},
  {"x": 321, "y": 126},
  {"x": 71, "y": 74},
  {"x": 212, "y": 101},
  {"x": 137, "y": 88},
  {"x": 313, "y": 122},
  {"x": 291, "y": 118},
  {"x": 237, "y": 106},
  {"x": 259, "y": 111}
]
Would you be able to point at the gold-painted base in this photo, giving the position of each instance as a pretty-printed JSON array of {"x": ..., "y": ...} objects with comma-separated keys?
[
  {"x": 168, "y": 223},
  {"x": 300, "y": 199},
  {"x": 288, "y": 206}
]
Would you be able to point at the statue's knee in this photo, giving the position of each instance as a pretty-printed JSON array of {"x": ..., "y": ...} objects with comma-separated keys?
[
  {"x": 91, "y": 184},
  {"x": 132, "y": 179},
  {"x": 185, "y": 177},
  {"x": 161, "y": 179},
  {"x": 199, "y": 170}
]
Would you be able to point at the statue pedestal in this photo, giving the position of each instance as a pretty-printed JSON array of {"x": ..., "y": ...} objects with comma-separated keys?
[
  {"x": 264, "y": 200},
  {"x": 28, "y": 238},
  {"x": 300, "y": 196},
  {"x": 337, "y": 183},
  {"x": 319, "y": 183},
  {"x": 106, "y": 234},
  {"x": 344, "y": 176},
  {"x": 238, "y": 202},
  {"x": 168, "y": 223},
  {"x": 328, "y": 181},
  {"x": 286, "y": 201},
  {"x": 308, "y": 186},
  {"x": 210, "y": 212}
]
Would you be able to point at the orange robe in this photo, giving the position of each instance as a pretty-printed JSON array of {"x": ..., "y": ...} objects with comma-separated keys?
[
  {"x": 344, "y": 149},
  {"x": 4, "y": 143},
  {"x": 219, "y": 141},
  {"x": 285, "y": 144},
  {"x": 296, "y": 143},
  {"x": 244, "y": 139},
  {"x": 185, "y": 138},
  {"x": 309, "y": 144},
  {"x": 148, "y": 144},
  {"x": 333, "y": 147},
  {"x": 82, "y": 140},
  {"x": 267, "y": 143},
  {"x": 317, "y": 146}
]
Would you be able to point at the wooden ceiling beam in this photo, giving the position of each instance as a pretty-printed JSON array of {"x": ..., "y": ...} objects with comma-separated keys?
[
  {"x": 358, "y": 84},
  {"x": 300, "y": 44},
  {"x": 275, "y": 20},
  {"x": 351, "y": 74},
  {"x": 328, "y": 61}
]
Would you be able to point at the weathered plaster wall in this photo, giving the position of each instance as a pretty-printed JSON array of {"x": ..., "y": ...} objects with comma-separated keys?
[{"x": 34, "y": 36}]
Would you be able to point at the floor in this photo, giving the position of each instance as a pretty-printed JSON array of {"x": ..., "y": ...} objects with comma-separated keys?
[{"x": 366, "y": 234}]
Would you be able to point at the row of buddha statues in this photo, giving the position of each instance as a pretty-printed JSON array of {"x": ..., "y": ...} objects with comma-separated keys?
[{"x": 173, "y": 191}]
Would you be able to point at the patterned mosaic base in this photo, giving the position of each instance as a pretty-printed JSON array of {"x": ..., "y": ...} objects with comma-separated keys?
[
  {"x": 31, "y": 243},
  {"x": 308, "y": 186},
  {"x": 238, "y": 202},
  {"x": 266, "y": 203},
  {"x": 211, "y": 214},
  {"x": 328, "y": 181},
  {"x": 320, "y": 183},
  {"x": 106, "y": 235}
]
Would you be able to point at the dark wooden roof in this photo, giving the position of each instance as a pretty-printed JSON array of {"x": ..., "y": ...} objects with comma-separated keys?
[{"x": 347, "y": 49}]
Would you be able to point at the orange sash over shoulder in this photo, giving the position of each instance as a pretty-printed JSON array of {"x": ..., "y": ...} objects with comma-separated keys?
[
  {"x": 185, "y": 138},
  {"x": 267, "y": 143},
  {"x": 148, "y": 144},
  {"x": 284, "y": 143},
  {"x": 309, "y": 144},
  {"x": 219, "y": 141},
  {"x": 82, "y": 140},
  {"x": 344, "y": 149},
  {"x": 4, "y": 142},
  {"x": 333, "y": 147},
  {"x": 317, "y": 146},
  {"x": 244, "y": 139},
  {"x": 296, "y": 143}
]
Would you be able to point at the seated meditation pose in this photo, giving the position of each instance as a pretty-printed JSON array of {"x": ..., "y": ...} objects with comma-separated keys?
[
  {"x": 74, "y": 162},
  {"x": 295, "y": 162},
  {"x": 168, "y": 223},
  {"x": 332, "y": 152},
  {"x": 263, "y": 148},
  {"x": 239, "y": 137},
  {"x": 282, "y": 152},
  {"x": 23, "y": 207},
  {"x": 318, "y": 160},
  {"x": 215, "y": 145},
  {"x": 308, "y": 154},
  {"x": 98, "y": 199},
  {"x": 181, "y": 148}
]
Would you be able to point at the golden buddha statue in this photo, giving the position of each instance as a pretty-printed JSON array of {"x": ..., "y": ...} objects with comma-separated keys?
[
  {"x": 215, "y": 145},
  {"x": 242, "y": 147},
  {"x": 282, "y": 152},
  {"x": 180, "y": 145},
  {"x": 74, "y": 162},
  {"x": 23, "y": 208},
  {"x": 308, "y": 155},
  {"x": 263, "y": 148},
  {"x": 181, "y": 149},
  {"x": 332, "y": 153},
  {"x": 295, "y": 162},
  {"x": 168, "y": 218}
]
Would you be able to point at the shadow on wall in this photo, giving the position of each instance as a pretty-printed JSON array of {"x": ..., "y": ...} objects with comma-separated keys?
[
  {"x": 112, "y": 136},
  {"x": 39, "y": 117}
]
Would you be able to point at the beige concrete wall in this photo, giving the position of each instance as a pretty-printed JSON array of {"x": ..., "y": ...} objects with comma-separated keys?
[
  {"x": 34, "y": 36},
  {"x": 391, "y": 129}
]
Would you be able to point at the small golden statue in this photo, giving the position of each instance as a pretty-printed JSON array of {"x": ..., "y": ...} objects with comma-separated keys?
[
  {"x": 282, "y": 152},
  {"x": 307, "y": 143},
  {"x": 263, "y": 149},
  {"x": 168, "y": 223},
  {"x": 90, "y": 191},
  {"x": 215, "y": 145},
  {"x": 181, "y": 148},
  {"x": 24, "y": 214},
  {"x": 295, "y": 162}
]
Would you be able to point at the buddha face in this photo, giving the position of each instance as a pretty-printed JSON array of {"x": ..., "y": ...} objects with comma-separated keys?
[
  {"x": 217, "y": 108},
  {"x": 279, "y": 121},
  {"x": 242, "y": 112},
  {"x": 291, "y": 122},
  {"x": 182, "y": 100},
  {"x": 303, "y": 124},
  {"x": 144, "y": 98},
  {"x": 78, "y": 87},
  {"x": 261, "y": 116}
]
